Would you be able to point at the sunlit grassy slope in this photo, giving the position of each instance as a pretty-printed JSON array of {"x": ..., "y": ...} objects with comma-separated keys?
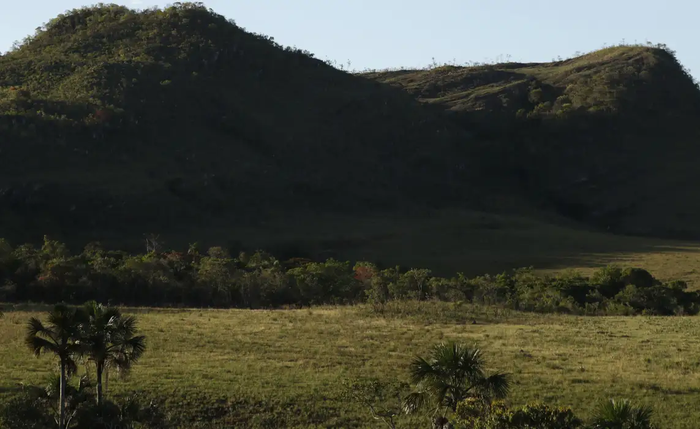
[{"x": 222, "y": 368}]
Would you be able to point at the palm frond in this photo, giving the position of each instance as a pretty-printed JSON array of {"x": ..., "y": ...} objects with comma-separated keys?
[
  {"x": 40, "y": 345},
  {"x": 641, "y": 417},
  {"x": 611, "y": 411},
  {"x": 135, "y": 346},
  {"x": 126, "y": 326},
  {"x": 121, "y": 363},
  {"x": 62, "y": 317},
  {"x": 111, "y": 313},
  {"x": 421, "y": 369},
  {"x": 414, "y": 401},
  {"x": 622, "y": 413},
  {"x": 35, "y": 327},
  {"x": 496, "y": 386},
  {"x": 458, "y": 360}
]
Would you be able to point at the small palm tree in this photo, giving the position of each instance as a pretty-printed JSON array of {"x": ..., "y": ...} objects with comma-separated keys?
[
  {"x": 74, "y": 396},
  {"x": 59, "y": 337},
  {"x": 110, "y": 341},
  {"x": 622, "y": 414},
  {"x": 449, "y": 375}
]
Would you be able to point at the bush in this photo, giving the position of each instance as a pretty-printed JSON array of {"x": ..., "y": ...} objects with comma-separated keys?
[
  {"x": 413, "y": 284},
  {"x": 30, "y": 410},
  {"x": 472, "y": 414},
  {"x": 128, "y": 414},
  {"x": 25, "y": 412},
  {"x": 330, "y": 282}
]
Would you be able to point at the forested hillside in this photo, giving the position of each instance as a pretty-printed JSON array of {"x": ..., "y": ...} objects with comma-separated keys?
[
  {"x": 117, "y": 123},
  {"x": 609, "y": 138},
  {"x": 113, "y": 120}
]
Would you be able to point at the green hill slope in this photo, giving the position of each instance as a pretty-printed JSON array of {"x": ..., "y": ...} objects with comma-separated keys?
[
  {"x": 609, "y": 138},
  {"x": 116, "y": 123},
  {"x": 121, "y": 122}
]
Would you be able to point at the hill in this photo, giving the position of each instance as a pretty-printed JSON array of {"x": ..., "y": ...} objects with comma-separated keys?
[
  {"x": 608, "y": 138},
  {"x": 118, "y": 122}
]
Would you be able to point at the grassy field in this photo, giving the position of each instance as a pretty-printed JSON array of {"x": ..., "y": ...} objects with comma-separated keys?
[{"x": 220, "y": 368}]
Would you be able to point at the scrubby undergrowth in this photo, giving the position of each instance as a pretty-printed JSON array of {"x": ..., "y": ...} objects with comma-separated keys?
[{"x": 258, "y": 280}]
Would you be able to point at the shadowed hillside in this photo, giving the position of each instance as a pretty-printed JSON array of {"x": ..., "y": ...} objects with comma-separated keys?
[
  {"x": 130, "y": 122},
  {"x": 610, "y": 138},
  {"x": 116, "y": 123}
]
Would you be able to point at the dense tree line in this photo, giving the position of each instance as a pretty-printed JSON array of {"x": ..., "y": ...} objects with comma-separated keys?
[{"x": 215, "y": 278}]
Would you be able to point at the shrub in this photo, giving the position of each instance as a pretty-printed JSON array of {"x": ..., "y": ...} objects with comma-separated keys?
[
  {"x": 325, "y": 283},
  {"x": 608, "y": 281},
  {"x": 475, "y": 415},
  {"x": 413, "y": 284},
  {"x": 542, "y": 416},
  {"x": 382, "y": 287},
  {"x": 25, "y": 412},
  {"x": 614, "y": 414}
]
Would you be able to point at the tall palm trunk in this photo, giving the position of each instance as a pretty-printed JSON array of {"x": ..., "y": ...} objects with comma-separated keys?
[
  {"x": 99, "y": 384},
  {"x": 62, "y": 397}
]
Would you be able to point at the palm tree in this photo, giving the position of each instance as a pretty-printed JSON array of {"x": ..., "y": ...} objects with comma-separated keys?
[
  {"x": 110, "y": 341},
  {"x": 60, "y": 337},
  {"x": 622, "y": 414},
  {"x": 449, "y": 375}
]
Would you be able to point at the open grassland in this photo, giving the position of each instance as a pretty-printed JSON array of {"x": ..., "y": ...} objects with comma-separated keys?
[{"x": 224, "y": 368}]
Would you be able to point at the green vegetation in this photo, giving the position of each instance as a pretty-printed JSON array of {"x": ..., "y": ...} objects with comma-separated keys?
[
  {"x": 258, "y": 280},
  {"x": 622, "y": 414},
  {"x": 603, "y": 138},
  {"x": 92, "y": 334},
  {"x": 116, "y": 123},
  {"x": 216, "y": 368},
  {"x": 109, "y": 340},
  {"x": 178, "y": 122},
  {"x": 451, "y": 375},
  {"x": 58, "y": 338}
]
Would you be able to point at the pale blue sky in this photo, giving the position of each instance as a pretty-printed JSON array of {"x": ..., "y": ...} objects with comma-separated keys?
[{"x": 394, "y": 33}]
